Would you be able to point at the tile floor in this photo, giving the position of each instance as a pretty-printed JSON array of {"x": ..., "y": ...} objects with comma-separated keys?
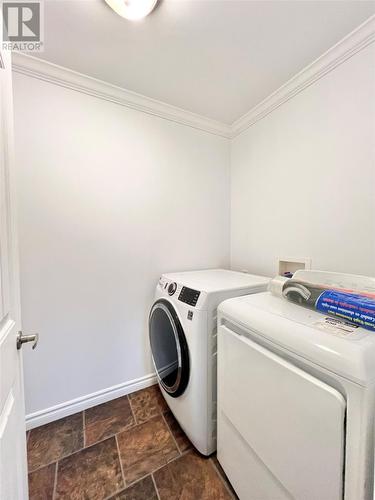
[{"x": 130, "y": 448}]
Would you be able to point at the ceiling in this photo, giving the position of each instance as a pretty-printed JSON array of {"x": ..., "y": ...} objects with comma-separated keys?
[{"x": 217, "y": 58}]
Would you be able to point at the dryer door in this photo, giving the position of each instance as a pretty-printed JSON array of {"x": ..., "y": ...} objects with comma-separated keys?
[
  {"x": 169, "y": 348},
  {"x": 281, "y": 431}
]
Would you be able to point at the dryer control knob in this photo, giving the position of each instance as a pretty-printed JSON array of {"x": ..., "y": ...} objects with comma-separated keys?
[{"x": 172, "y": 288}]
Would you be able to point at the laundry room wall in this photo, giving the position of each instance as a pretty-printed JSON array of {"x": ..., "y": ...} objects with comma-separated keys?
[
  {"x": 303, "y": 177},
  {"x": 108, "y": 199}
]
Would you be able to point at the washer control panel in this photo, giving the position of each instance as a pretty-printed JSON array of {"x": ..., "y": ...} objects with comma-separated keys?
[
  {"x": 189, "y": 296},
  {"x": 179, "y": 292}
]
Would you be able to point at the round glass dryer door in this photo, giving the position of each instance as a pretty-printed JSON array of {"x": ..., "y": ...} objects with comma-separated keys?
[{"x": 169, "y": 348}]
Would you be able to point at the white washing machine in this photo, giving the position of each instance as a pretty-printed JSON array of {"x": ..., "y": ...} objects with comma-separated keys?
[
  {"x": 183, "y": 332},
  {"x": 296, "y": 398}
]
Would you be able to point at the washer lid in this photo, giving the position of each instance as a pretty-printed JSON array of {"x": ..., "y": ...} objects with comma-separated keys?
[
  {"x": 217, "y": 280},
  {"x": 345, "y": 350}
]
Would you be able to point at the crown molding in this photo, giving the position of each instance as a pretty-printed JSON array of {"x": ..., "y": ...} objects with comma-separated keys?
[
  {"x": 64, "y": 77},
  {"x": 357, "y": 40}
]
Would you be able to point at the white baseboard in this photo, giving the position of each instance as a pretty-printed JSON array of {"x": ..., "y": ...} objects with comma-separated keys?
[{"x": 75, "y": 405}]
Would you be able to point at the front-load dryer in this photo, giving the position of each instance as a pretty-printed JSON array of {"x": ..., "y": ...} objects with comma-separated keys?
[
  {"x": 183, "y": 331},
  {"x": 296, "y": 398}
]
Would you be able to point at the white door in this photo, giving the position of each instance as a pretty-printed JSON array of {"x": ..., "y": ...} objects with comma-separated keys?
[{"x": 13, "y": 469}]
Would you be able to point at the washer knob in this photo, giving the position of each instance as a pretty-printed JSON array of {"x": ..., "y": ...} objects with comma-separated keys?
[{"x": 172, "y": 288}]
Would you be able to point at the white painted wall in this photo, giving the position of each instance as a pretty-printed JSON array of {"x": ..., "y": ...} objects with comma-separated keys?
[
  {"x": 303, "y": 178},
  {"x": 109, "y": 198}
]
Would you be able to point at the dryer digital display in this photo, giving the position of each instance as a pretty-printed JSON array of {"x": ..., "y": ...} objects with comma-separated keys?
[{"x": 189, "y": 296}]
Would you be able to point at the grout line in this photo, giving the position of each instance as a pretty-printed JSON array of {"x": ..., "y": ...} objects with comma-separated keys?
[
  {"x": 112, "y": 495},
  {"x": 156, "y": 488},
  {"x": 71, "y": 454},
  {"x": 127, "y": 487},
  {"x": 136, "y": 424},
  {"x": 114, "y": 434},
  {"x": 223, "y": 480},
  {"x": 172, "y": 460},
  {"x": 131, "y": 407},
  {"x": 63, "y": 456},
  {"x": 119, "y": 457},
  {"x": 55, "y": 482},
  {"x": 171, "y": 433},
  {"x": 146, "y": 475},
  {"x": 53, "y": 461},
  {"x": 158, "y": 468},
  {"x": 85, "y": 447},
  {"x": 104, "y": 439}
]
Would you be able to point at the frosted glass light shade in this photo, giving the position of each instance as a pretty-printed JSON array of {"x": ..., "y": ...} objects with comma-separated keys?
[{"x": 132, "y": 9}]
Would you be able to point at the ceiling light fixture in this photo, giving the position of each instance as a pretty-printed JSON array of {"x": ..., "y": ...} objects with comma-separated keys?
[{"x": 132, "y": 9}]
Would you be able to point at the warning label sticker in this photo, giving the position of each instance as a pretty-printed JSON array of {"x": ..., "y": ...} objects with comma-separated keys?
[{"x": 336, "y": 326}]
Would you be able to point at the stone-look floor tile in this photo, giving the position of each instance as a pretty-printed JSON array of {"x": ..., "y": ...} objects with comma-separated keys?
[
  {"x": 145, "y": 448},
  {"x": 147, "y": 403},
  {"x": 93, "y": 473},
  {"x": 50, "y": 442},
  {"x": 41, "y": 483},
  {"x": 107, "y": 419},
  {"x": 190, "y": 477},
  {"x": 142, "y": 490},
  {"x": 181, "y": 439}
]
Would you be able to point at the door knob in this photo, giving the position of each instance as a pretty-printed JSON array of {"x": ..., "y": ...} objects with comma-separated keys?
[{"x": 22, "y": 339}]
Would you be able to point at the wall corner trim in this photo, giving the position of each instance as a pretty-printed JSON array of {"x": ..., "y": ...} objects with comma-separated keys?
[
  {"x": 64, "y": 77},
  {"x": 354, "y": 42},
  {"x": 83, "y": 403}
]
